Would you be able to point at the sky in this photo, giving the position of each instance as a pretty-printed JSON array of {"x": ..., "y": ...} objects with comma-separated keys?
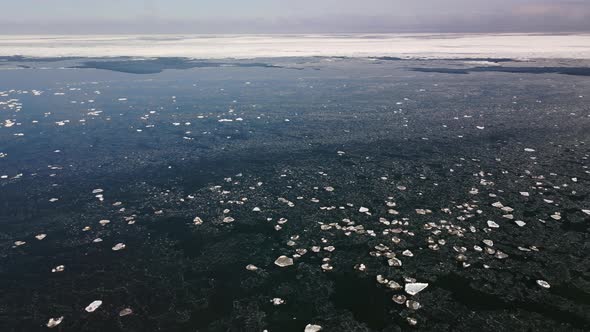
[{"x": 292, "y": 16}]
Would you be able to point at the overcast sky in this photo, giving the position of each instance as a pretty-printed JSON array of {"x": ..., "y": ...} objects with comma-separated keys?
[{"x": 292, "y": 16}]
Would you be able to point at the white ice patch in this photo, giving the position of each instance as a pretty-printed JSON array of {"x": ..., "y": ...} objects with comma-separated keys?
[
  {"x": 415, "y": 288},
  {"x": 354, "y": 45},
  {"x": 93, "y": 306}
]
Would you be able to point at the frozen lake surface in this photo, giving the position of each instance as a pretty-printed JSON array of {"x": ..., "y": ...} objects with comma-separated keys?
[{"x": 349, "y": 45}]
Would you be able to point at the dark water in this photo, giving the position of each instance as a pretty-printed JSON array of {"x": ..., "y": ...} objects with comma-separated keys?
[{"x": 156, "y": 146}]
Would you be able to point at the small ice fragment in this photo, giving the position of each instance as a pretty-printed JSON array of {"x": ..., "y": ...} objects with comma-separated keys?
[
  {"x": 104, "y": 222},
  {"x": 461, "y": 258},
  {"x": 197, "y": 221},
  {"x": 19, "y": 243},
  {"x": 543, "y": 283},
  {"x": 393, "y": 285},
  {"x": 40, "y": 236},
  {"x": 283, "y": 261},
  {"x": 125, "y": 312},
  {"x": 394, "y": 262},
  {"x": 251, "y": 267},
  {"x": 53, "y": 322},
  {"x": 327, "y": 267},
  {"x": 415, "y": 288},
  {"x": 59, "y": 268},
  {"x": 586, "y": 212},
  {"x": 500, "y": 255},
  {"x": 119, "y": 246},
  {"x": 399, "y": 299},
  {"x": 277, "y": 301},
  {"x": 412, "y": 321},
  {"x": 93, "y": 306},
  {"x": 529, "y": 150},
  {"x": 493, "y": 224},
  {"x": 520, "y": 223},
  {"x": 408, "y": 253},
  {"x": 381, "y": 279},
  {"x": 312, "y": 328},
  {"x": 414, "y": 305},
  {"x": 363, "y": 209}
]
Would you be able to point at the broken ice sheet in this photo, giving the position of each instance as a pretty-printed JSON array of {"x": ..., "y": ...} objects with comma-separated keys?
[{"x": 363, "y": 176}]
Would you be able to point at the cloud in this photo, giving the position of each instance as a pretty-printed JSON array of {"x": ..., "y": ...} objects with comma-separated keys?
[{"x": 572, "y": 10}]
